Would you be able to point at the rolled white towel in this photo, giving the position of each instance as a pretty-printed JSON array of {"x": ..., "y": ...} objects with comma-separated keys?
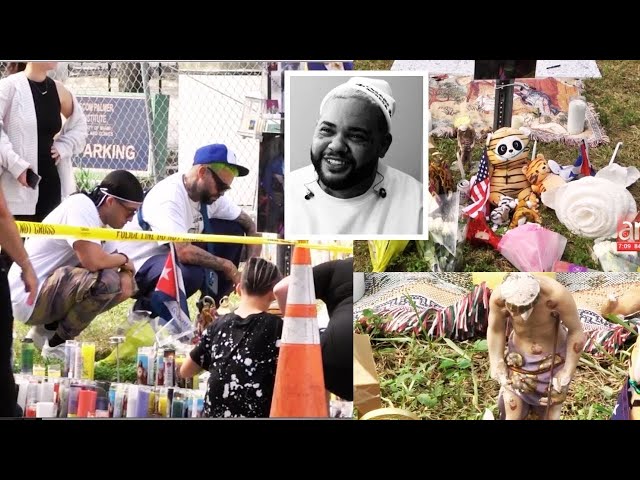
[{"x": 591, "y": 207}]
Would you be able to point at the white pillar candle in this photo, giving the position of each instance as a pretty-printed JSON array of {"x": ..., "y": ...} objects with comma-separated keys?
[
  {"x": 45, "y": 410},
  {"x": 45, "y": 392},
  {"x": 132, "y": 401},
  {"x": 23, "y": 385},
  {"x": 358, "y": 285},
  {"x": 194, "y": 406},
  {"x": 577, "y": 113}
]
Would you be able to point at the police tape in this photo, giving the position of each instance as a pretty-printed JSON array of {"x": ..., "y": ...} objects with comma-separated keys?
[{"x": 33, "y": 229}]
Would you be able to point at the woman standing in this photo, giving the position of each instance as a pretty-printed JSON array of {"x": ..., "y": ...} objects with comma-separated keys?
[{"x": 33, "y": 138}]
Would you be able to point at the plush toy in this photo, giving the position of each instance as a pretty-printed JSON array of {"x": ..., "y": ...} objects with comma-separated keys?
[
  {"x": 540, "y": 177},
  {"x": 501, "y": 214},
  {"x": 508, "y": 152},
  {"x": 524, "y": 214}
]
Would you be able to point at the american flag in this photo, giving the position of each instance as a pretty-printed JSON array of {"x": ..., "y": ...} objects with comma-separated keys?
[{"x": 480, "y": 190}]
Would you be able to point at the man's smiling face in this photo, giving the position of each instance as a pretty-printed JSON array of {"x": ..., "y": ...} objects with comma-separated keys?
[{"x": 348, "y": 141}]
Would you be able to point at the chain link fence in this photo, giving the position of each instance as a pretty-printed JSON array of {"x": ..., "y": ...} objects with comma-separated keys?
[
  {"x": 132, "y": 112},
  {"x": 212, "y": 102}
]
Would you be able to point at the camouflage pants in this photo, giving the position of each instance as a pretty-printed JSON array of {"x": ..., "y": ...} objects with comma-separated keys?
[{"x": 73, "y": 297}]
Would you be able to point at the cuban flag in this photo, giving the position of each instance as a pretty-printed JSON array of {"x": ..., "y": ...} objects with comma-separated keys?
[
  {"x": 170, "y": 302},
  {"x": 582, "y": 166}
]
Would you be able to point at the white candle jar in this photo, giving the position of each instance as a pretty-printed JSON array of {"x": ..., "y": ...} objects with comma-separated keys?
[
  {"x": 358, "y": 286},
  {"x": 577, "y": 115}
]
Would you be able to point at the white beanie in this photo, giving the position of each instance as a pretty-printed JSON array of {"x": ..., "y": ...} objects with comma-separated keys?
[{"x": 378, "y": 90}]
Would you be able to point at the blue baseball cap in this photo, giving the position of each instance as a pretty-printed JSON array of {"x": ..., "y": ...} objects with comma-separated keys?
[{"x": 218, "y": 153}]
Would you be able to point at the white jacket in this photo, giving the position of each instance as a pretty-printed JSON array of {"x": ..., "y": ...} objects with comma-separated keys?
[{"x": 19, "y": 144}]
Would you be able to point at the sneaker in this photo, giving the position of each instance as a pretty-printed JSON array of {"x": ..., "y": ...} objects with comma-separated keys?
[
  {"x": 39, "y": 334},
  {"x": 53, "y": 352}
]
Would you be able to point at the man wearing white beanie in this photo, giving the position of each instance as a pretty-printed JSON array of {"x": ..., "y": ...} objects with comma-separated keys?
[{"x": 347, "y": 189}]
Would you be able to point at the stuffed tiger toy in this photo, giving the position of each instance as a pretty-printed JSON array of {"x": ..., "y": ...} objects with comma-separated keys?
[
  {"x": 508, "y": 153},
  {"x": 540, "y": 176}
]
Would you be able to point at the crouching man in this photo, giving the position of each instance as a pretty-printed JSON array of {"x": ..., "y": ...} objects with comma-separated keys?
[{"x": 77, "y": 279}]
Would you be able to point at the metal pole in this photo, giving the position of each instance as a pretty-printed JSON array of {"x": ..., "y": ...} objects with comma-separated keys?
[
  {"x": 118, "y": 362},
  {"x": 117, "y": 339},
  {"x": 503, "y": 109},
  {"x": 144, "y": 67}
]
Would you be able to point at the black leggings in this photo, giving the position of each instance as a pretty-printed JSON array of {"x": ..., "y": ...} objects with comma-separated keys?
[
  {"x": 337, "y": 352},
  {"x": 7, "y": 382}
]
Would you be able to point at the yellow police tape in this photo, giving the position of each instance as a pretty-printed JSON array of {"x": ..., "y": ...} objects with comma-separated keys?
[{"x": 33, "y": 229}]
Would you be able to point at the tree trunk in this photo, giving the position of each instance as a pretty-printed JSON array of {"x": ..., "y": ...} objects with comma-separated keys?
[{"x": 130, "y": 77}]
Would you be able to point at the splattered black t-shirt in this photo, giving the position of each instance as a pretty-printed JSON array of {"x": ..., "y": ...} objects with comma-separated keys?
[{"x": 241, "y": 355}]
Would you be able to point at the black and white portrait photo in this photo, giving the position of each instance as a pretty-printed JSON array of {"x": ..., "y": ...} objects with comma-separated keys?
[{"x": 355, "y": 154}]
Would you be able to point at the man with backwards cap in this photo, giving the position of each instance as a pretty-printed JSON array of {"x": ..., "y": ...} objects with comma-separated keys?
[
  {"x": 77, "y": 278},
  {"x": 348, "y": 189},
  {"x": 176, "y": 205},
  {"x": 544, "y": 320}
]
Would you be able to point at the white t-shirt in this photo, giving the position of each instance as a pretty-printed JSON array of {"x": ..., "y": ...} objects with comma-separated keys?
[
  {"x": 399, "y": 213},
  {"x": 49, "y": 254},
  {"x": 167, "y": 208}
]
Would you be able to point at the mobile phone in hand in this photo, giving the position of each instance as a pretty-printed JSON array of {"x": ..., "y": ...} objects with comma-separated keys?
[{"x": 33, "y": 179}]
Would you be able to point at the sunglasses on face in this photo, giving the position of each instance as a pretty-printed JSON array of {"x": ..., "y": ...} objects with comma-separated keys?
[
  {"x": 220, "y": 185},
  {"x": 131, "y": 211}
]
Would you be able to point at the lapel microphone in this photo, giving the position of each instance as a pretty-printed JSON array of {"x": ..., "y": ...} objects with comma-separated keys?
[
  {"x": 381, "y": 192},
  {"x": 309, "y": 195}
]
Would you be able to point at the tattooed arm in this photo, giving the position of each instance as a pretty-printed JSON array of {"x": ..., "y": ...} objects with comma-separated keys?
[
  {"x": 192, "y": 255},
  {"x": 251, "y": 230}
]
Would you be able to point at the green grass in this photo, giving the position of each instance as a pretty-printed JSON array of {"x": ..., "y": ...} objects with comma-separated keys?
[
  {"x": 101, "y": 328},
  {"x": 616, "y": 98},
  {"x": 443, "y": 380},
  {"x": 372, "y": 64},
  {"x": 436, "y": 381}
]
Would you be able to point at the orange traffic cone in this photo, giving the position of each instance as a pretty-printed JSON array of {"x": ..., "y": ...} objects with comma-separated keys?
[{"x": 299, "y": 388}]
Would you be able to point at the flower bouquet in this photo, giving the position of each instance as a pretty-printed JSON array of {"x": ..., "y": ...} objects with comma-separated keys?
[{"x": 529, "y": 247}]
